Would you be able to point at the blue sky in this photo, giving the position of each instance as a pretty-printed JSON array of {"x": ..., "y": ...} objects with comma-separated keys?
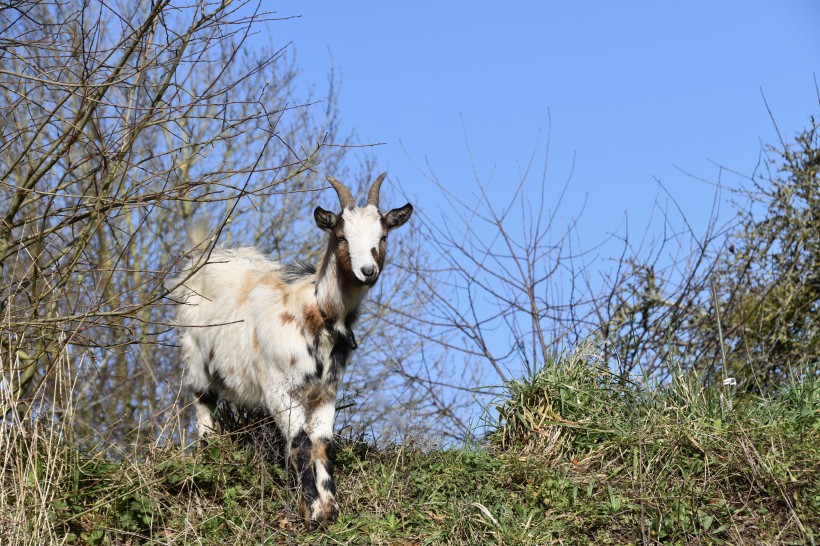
[{"x": 635, "y": 90}]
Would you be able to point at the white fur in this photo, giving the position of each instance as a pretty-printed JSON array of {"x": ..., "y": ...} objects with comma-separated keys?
[
  {"x": 364, "y": 230},
  {"x": 232, "y": 325}
]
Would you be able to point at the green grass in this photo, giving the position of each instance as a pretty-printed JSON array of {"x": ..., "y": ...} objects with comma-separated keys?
[{"x": 578, "y": 456}]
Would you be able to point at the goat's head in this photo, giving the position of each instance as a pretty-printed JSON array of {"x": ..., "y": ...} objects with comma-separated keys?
[{"x": 358, "y": 235}]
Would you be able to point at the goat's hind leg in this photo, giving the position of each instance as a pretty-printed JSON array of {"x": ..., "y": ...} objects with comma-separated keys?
[
  {"x": 198, "y": 378},
  {"x": 205, "y": 405}
]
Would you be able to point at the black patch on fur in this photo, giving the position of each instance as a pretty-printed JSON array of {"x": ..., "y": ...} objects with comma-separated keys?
[
  {"x": 351, "y": 319},
  {"x": 338, "y": 358},
  {"x": 328, "y": 485},
  {"x": 297, "y": 270},
  {"x": 397, "y": 217},
  {"x": 350, "y": 340},
  {"x": 326, "y": 220},
  {"x": 218, "y": 381},
  {"x": 309, "y": 380},
  {"x": 300, "y": 448},
  {"x": 301, "y": 442},
  {"x": 313, "y": 352},
  {"x": 208, "y": 397}
]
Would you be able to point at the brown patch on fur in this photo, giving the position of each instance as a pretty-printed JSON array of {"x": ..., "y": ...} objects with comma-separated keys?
[
  {"x": 378, "y": 255},
  {"x": 248, "y": 284},
  {"x": 382, "y": 254},
  {"x": 292, "y": 361},
  {"x": 345, "y": 263},
  {"x": 342, "y": 254},
  {"x": 273, "y": 282},
  {"x": 211, "y": 354},
  {"x": 319, "y": 453},
  {"x": 255, "y": 340},
  {"x": 287, "y": 318},
  {"x": 314, "y": 395},
  {"x": 327, "y": 312},
  {"x": 313, "y": 318}
]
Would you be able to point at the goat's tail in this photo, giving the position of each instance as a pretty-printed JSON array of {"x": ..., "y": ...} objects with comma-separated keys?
[
  {"x": 200, "y": 238},
  {"x": 201, "y": 242}
]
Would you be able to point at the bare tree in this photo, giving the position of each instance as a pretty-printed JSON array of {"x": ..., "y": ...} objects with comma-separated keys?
[
  {"x": 738, "y": 300},
  {"x": 509, "y": 287},
  {"x": 120, "y": 122}
]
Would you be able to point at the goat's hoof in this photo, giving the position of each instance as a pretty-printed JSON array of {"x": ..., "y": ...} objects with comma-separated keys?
[{"x": 321, "y": 513}]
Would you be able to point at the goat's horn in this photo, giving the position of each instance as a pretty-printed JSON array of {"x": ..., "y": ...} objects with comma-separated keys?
[
  {"x": 373, "y": 194},
  {"x": 345, "y": 197}
]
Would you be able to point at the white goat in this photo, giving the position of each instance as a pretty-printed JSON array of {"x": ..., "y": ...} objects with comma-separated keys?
[{"x": 264, "y": 335}]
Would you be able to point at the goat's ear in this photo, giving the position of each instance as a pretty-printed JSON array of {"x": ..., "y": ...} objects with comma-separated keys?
[
  {"x": 397, "y": 217},
  {"x": 326, "y": 220}
]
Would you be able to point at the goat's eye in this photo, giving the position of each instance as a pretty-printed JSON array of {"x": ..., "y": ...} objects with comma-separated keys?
[
  {"x": 383, "y": 239},
  {"x": 341, "y": 239}
]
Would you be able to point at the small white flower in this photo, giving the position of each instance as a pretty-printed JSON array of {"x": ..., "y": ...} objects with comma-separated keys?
[{"x": 729, "y": 382}]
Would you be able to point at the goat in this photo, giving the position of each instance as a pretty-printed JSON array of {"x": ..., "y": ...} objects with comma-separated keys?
[{"x": 278, "y": 337}]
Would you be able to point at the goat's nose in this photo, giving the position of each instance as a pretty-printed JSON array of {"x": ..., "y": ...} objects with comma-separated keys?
[{"x": 368, "y": 271}]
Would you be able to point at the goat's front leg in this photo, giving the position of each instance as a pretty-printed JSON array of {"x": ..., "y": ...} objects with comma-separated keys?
[
  {"x": 310, "y": 456},
  {"x": 326, "y": 508}
]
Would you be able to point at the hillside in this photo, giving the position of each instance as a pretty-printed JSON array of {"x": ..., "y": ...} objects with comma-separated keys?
[{"x": 578, "y": 457}]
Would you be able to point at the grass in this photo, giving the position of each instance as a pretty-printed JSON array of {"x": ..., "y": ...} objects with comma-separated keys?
[{"x": 578, "y": 456}]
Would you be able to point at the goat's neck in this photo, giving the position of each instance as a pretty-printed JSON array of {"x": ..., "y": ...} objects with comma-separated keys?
[{"x": 337, "y": 297}]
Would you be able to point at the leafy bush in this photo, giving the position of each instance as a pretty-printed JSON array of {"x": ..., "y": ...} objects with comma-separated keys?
[{"x": 744, "y": 301}]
